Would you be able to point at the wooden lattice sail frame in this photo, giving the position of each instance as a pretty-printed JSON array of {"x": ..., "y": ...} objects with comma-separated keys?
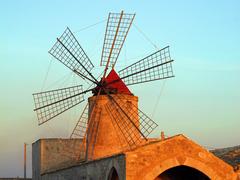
[{"x": 133, "y": 126}]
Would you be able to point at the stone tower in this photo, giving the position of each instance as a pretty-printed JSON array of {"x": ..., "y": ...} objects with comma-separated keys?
[{"x": 109, "y": 139}]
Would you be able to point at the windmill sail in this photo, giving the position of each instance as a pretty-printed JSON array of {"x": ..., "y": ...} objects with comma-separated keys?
[
  {"x": 153, "y": 67},
  {"x": 115, "y": 110},
  {"x": 69, "y": 52},
  {"x": 134, "y": 125},
  {"x": 49, "y": 104},
  {"x": 86, "y": 131},
  {"x": 92, "y": 131},
  {"x": 117, "y": 29},
  {"x": 81, "y": 126}
]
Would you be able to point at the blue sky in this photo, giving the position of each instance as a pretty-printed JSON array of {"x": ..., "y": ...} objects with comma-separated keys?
[{"x": 202, "y": 101}]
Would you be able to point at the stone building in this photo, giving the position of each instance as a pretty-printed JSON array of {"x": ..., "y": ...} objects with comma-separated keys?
[
  {"x": 114, "y": 143},
  {"x": 171, "y": 158},
  {"x": 166, "y": 159}
]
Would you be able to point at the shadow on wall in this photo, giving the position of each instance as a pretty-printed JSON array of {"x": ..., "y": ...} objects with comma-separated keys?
[
  {"x": 113, "y": 175},
  {"x": 181, "y": 173}
]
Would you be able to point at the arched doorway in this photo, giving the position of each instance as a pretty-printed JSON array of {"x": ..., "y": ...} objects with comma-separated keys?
[
  {"x": 182, "y": 173},
  {"x": 113, "y": 175}
]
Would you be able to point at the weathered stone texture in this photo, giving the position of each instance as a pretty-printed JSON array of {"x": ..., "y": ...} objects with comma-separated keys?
[
  {"x": 52, "y": 158},
  {"x": 145, "y": 163},
  {"x": 51, "y": 154},
  {"x": 110, "y": 140},
  {"x": 93, "y": 170},
  {"x": 151, "y": 160}
]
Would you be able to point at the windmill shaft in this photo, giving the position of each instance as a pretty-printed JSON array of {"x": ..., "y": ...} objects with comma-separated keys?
[
  {"x": 85, "y": 77},
  {"x": 124, "y": 40},
  {"x": 106, "y": 68},
  {"x": 118, "y": 26},
  {"x": 63, "y": 99},
  {"x": 77, "y": 60}
]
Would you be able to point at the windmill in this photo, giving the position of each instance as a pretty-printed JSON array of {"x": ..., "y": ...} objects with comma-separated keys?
[{"x": 111, "y": 102}]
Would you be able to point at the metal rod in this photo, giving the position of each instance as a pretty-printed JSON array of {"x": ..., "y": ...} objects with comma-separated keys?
[
  {"x": 40, "y": 123},
  {"x": 77, "y": 60},
  {"x": 111, "y": 98},
  {"x": 55, "y": 90},
  {"x": 84, "y": 76},
  {"x": 150, "y": 80},
  {"x": 115, "y": 37},
  {"x": 25, "y": 161},
  {"x": 112, "y": 118},
  {"x": 146, "y": 69},
  {"x": 64, "y": 99},
  {"x": 121, "y": 78},
  {"x": 145, "y": 58}
]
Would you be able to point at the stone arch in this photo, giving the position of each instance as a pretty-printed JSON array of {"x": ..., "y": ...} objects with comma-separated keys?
[
  {"x": 158, "y": 169},
  {"x": 182, "y": 172},
  {"x": 113, "y": 175}
]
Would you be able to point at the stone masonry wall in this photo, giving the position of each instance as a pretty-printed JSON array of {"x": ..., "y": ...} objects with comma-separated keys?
[
  {"x": 149, "y": 161},
  {"x": 94, "y": 170},
  {"x": 52, "y": 154}
]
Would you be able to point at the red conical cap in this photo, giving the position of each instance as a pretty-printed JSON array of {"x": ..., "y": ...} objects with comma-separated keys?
[{"x": 119, "y": 85}]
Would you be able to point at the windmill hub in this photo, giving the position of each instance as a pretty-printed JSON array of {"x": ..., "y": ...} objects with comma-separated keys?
[{"x": 112, "y": 84}]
